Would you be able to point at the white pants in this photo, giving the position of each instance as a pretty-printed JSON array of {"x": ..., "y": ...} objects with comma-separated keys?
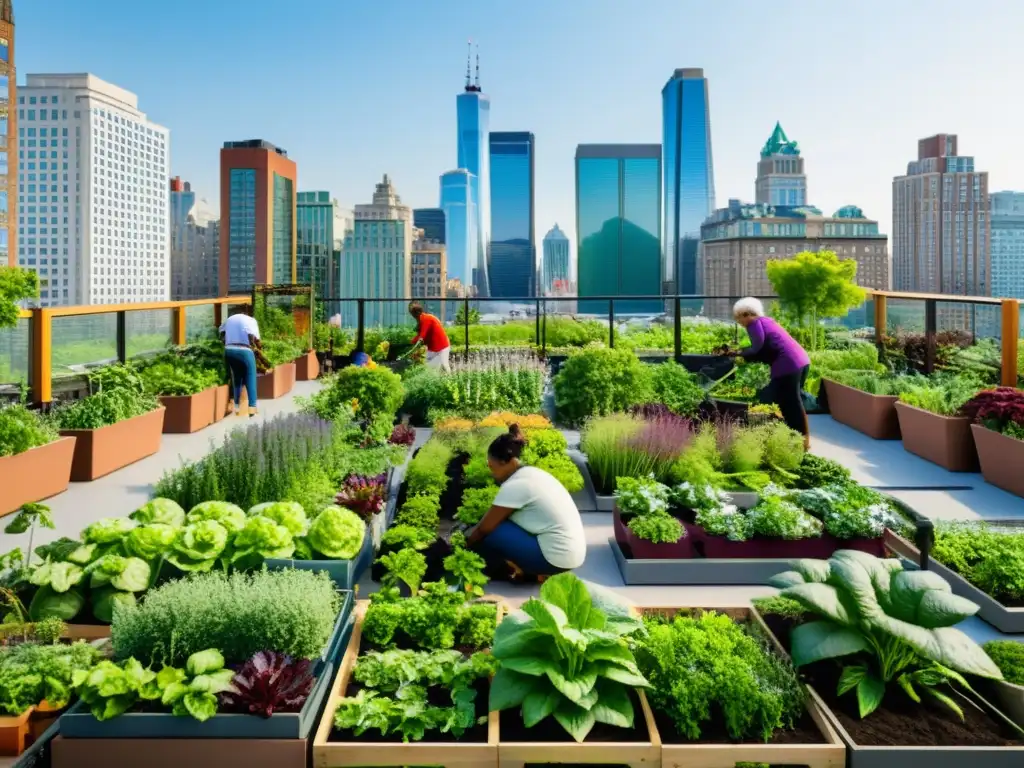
[{"x": 439, "y": 359}]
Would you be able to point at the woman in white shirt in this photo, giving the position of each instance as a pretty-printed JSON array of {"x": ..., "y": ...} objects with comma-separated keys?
[
  {"x": 533, "y": 525},
  {"x": 241, "y": 336}
]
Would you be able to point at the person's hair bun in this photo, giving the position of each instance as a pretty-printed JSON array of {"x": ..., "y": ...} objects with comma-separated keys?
[{"x": 516, "y": 433}]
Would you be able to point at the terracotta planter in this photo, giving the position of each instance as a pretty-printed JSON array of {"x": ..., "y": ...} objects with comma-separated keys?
[
  {"x": 221, "y": 402},
  {"x": 188, "y": 413},
  {"x": 874, "y": 415},
  {"x": 276, "y": 383},
  {"x": 307, "y": 367},
  {"x": 99, "y": 452},
  {"x": 42, "y": 718},
  {"x": 641, "y": 549},
  {"x": 942, "y": 440},
  {"x": 1001, "y": 459},
  {"x": 35, "y": 474},
  {"x": 14, "y": 733}
]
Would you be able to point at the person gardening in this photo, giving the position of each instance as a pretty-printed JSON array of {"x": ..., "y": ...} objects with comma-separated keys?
[
  {"x": 430, "y": 332},
  {"x": 533, "y": 525},
  {"x": 242, "y": 349},
  {"x": 789, "y": 362}
]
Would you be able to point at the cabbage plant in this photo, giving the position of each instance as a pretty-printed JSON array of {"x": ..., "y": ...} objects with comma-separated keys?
[
  {"x": 165, "y": 511},
  {"x": 290, "y": 514},
  {"x": 229, "y": 515},
  {"x": 337, "y": 533},
  {"x": 198, "y": 545}
]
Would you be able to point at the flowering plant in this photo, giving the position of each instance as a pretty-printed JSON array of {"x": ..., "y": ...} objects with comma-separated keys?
[
  {"x": 641, "y": 496},
  {"x": 402, "y": 434},
  {"x": 1000, "y": 409},
  {"x": 776, "y": 517},
  {"x": 363, "y": 495},
  {"x": 850, "y": 511}
]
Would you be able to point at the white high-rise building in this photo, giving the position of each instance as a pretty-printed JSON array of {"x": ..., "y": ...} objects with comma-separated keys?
[{"x": 93, "y": 214}]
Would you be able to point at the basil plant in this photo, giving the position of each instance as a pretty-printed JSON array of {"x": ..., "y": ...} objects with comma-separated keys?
[{"x": 886, "y": 625}]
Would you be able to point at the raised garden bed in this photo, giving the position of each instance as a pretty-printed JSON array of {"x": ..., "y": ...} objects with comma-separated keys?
[
  {"x": 1001, "y": 459},
  {"x": 14, "y": 733},
  {"x": 344, "y": 573},
  {"x": 276, "y": 383},
  {"x": 942, "y": 440},
  {"x": 35, "y": 474},
  {"x": 221, "y": 402},
  {"x": 186, "y": 414},
  {"x": 175, "y": 753},
  {"x": 307, "y": 367},
  {"x": 873, "y": 415},
  {"x": 99, "y": 452}
]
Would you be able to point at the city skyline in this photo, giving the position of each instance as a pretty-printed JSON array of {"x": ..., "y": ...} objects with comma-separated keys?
[{"x": 590, "y": 95}]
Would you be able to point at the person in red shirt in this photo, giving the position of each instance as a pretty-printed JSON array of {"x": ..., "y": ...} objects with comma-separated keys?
[{"x": 430, "y": 332}]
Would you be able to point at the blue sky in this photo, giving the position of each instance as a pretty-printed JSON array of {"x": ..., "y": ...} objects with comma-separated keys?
[{"x": 355, "y": 88}]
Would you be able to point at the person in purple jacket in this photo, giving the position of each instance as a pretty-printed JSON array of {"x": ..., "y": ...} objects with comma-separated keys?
[{"x": 771, "y": 344}]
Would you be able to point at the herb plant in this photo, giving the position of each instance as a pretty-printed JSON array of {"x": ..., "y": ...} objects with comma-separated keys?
[
  {"x": 597, "y": 382},
  {"x": 31, "y": 673},
  {"x": 406, "y": 566},
  {"x": 990, "y": 558},
  {"x": 22, "y": 430},
  {"x": 1008, "y": 655},
  {"x": 475, "y": 503}
]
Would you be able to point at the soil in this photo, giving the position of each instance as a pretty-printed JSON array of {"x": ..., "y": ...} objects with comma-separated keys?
[
  {"x": 805, "y": 732},
  {"x": 899, "y": 722},
  {"x": 451, "y": 499},
  {"x": 435, "y": 695},
  {"x": 549, "y": 731}
]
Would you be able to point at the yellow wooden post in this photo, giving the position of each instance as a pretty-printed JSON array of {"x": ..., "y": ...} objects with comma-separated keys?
[
  {"x": 178, "y": 326},
  {"x": 880, "y": 317},
  {"x": 41, "y": 330},
  {"x": 1011, "y": 336}
]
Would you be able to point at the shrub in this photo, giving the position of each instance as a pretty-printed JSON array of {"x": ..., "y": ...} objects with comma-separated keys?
[
  {"x": 874, "y": 383},
  {"x": 1008, "y": 655},
  {"x": 22, "y": 429},
  {"x": 999, "y": 409},
  {"x": 289, "y": 611},
  {"x": 817, "y": 472},
  {"x": 563, "y": 469},
  {"x": 420, "y": 512},
  {"x": 944, "y": 396},
  {"x": 377, "y": 392},
  {"x": 597, "y": 382},
  {"x": 676, "y": 387},
  {"x": 427, "y": 472}
]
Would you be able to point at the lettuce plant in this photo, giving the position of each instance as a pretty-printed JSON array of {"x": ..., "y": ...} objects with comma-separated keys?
[
  {"x": 259, "y": 539},
  {"x": 290, "y": 514},
  {"x": 886, "y": 626},
  {"x": 231, "y": 516},
  {"x": 565, "y": 655},
  {"x": 337, "y": 533},
  {"x": 158, "y": 510},
  {"x": 198, "y": 545},
  {"x": 475, "y": 503},
  {"x": 150, "y": 541},
  {"x": 406, "y": 566},
  {"x": 270, "y": 682},
  {"x": 111, "y": 689},
  {"x": 420, "y": 512},
  {"x": 467, "y": 571}
]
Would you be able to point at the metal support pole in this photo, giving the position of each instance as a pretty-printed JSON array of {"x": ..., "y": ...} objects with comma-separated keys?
[
  {"x": 360, "y": 325},
  {"x": 122, "y": 336},
  {"x": 465, "y": 324},
  {"x": 611, "y": 323},
  {"x": 544, "y": 333},
  {"x": 538, "y": 321},
  {"x": 678, "y": 329},
  {"x": 930, "y": 324}
]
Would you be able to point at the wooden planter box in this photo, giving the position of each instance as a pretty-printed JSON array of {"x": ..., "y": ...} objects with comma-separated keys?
[
  {"x": 344, "y": 573},
  {"x": 335, "y": 754},
  {"x": 35, "y": 474},
  {"x": 276, "y": 383},
  {"x": 88, "y": 632},
  {"x": 176, "y": 753},
  {"x": 221, "y": 402},
  {"x": 99, "y": 452},
  {"x": 874, "y": 415},
  {"x": 1001, "y": 459},
  {"x": 942, "y": 440},
  {"x": 307, "y": 367},
  {"x": 186, "y": 414},
  {"x": 14, "y": 733}
]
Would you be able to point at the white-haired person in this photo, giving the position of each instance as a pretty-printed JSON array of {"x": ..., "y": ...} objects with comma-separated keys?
[{"x": 789, "y": 362}]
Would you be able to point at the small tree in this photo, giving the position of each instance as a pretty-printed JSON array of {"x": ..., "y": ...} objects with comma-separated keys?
[
  {"x": 460, "y": 316},
  {"x": 813, "y": 285},
  {"x": 16, "y": 285}
]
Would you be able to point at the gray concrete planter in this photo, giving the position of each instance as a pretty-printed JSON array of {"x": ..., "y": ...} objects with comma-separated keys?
[
  {"x": 1010, "y": 699},
  {"x": 586, "y": 500},
  {"x": 696, "y": 571},
  {"x": 344, "y": 573}
]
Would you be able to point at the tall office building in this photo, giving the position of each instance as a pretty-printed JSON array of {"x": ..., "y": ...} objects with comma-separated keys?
[
  {"x": 376, "y": 262},
  {"x": 194, "y": 246},
  {"x": 780, "y": 172},
  {"x": 689, "y": 178},
  {"x": 429, "y": 271},
  {"x": 319, "y": 224},
  {"x": 618, "y": 223},
  {"x": 431, "y": 221},
  {"x": 95, "y": 221},
  {"x": 459, "y": 208},
  {"x": 473, "y": 112},
  {"x": 555, "y": 264},
  {"x": 8, "y": 128},
  {"x": 257, "y": 216},
  {"x": 512, "y": 252},
  {"x": 940, "y": 223},
  {"x": 1006, "y": 210}
]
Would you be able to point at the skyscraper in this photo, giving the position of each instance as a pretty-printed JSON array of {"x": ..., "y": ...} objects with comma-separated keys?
[
  {"x": 780, "y": 172},
  {"x": 429, "y": 271},
  {"x": 460, "y": 224},
  {"x": 319, "y": 220},
  {"x": 8, "y": 129},
  {"x": 940, "y": 223},
  {"x": 689, "y": 178},
  {"x": 194, "y": 247},
  {"x": 473, "y": 110},
  {"x": 555, "y": 266},
  {"x": 257, "y": 216},
  {"x": 512, "y": 252},
  {"x": 376, "y": 262},
  {"x": 618, "y": 223},
  {"x": 431, "y": 221},
  {"x": 108, "y": 204},
  {"x": 1007, "y": 212}
]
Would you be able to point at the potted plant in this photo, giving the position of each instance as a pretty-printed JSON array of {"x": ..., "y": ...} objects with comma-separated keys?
[
  {"x": 279, "y": 379},
  {"x": 1008, "y": 655},
  {"x": 307, "y": 366},
  {"x": 865, "y": 401},
  {"x": 642, "y": 521},
  {"x": 187, "y": 392},
  {"x": 931, "y": 426},
  {"x": 997, "y": 417},
  {"x": 35, "y": 461}
]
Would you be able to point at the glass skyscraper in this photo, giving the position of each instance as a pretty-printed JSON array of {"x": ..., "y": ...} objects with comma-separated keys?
[
  {"x": 474, "y": 118},
  {"x": 556, "y": 261},
  {"x": 689, "y": 178},
  {"x": 618, "y": 225},
  {"x": 512, "y": 252},
  {"x": 460, "y": 224},
  {"x": 315, "y": 212},
  {"x": 8, "y": 137},
  {"x": 1006, "y": 213},
  {"x": 431, "y": 221}
]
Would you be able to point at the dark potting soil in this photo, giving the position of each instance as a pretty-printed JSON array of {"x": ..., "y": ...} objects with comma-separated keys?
[
  {"x": 548, "y": 730},
  {"x": 451, "y": 498},
  {"x": 714, "y": 732},
  {"x": 900, "y": 721},
  {"x": 437, "y": 696}
]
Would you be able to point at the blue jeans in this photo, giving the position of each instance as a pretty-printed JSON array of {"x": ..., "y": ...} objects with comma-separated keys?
[
  {"x": 510, "y": 542},
  {"x": 242, "y": 364}
]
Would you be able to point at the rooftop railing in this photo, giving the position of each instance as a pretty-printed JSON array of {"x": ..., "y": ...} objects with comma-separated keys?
[{"x": 52, "y": 347}]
